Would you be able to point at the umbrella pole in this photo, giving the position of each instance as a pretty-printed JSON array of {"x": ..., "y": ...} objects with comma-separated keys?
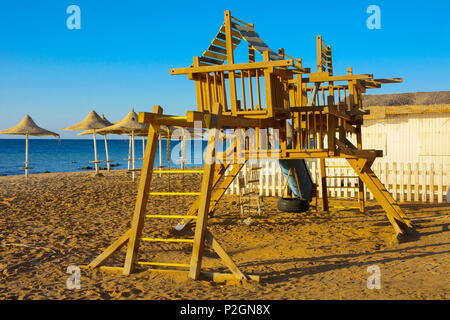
[
  {"x": 168, "y": 147},
  {"x": 183, "y": 147},
  {"x": 95, "y": 151},
  {"x": 133, "y": 174},
  {"x": 107, "y": 153},
  {"x": 129, "y": 153},
  {"x": 160, "y": 153},
  {"x": 26, "y": 156}
]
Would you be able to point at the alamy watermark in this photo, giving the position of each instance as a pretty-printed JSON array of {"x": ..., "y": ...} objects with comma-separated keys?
[
  {"x": 230, "y": 145},
  {"x": 374, "y": 280},
  {"x": 74, "y": 280},
  {"x": 74, "y": 20},
  {"x": 374, "y": 20}
]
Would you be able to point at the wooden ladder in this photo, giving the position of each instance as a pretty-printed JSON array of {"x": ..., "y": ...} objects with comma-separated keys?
[{"x": 206, "y": 200}]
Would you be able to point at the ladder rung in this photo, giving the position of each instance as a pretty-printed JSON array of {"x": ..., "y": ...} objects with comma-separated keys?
[
  {"x": 165, "y": 264},
  {"x": 332, "y": 187},
  {"x": 248, "y": 193},
  {"x": 174, "y": 193},
  {"x": 167, "y": 240},
  {"x": 177, "y": 171},
  {"x": 337, "y": 166},
  {"x": 343, "y": 207},
  {"x": 353, "y": 198},
  {"x": 257, "y": 168},
  {"x": 342, "y": 177},
  {"x": 252, "y": 181},
  {"x": 168, "y": 216}
]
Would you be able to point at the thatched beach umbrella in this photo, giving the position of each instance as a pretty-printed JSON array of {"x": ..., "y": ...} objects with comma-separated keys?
[
  {"x": 27, "y": 127},
  {"x": 91, "y": 131},
  {"x": 131, "y": 126},
  {"x": 92, "y": 122}
]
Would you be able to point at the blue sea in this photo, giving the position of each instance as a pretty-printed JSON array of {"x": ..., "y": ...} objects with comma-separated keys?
[{"x": 68, "y": 155}]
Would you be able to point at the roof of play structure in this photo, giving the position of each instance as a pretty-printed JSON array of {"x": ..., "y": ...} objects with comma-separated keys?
[{"x": 216, "y": 52}]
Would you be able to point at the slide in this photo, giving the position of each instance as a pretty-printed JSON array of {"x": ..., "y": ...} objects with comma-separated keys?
[{"x": 305, "y": 181}]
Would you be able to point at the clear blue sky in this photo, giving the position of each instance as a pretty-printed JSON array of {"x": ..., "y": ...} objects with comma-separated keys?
[{"x": 122, "y": 54}]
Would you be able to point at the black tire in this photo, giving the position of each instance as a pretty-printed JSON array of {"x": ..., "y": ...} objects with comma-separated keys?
[{"x": 293, "y": 205}]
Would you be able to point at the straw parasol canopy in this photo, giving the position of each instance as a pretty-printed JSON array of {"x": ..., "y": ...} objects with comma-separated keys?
[
  {"x": 27, "y": 127},
  {"x": 127, "y": 125},
  {"x": 92, "y": 122},
  {"x": 104, "y": 134},
  {"x": 131, "y": 126}
]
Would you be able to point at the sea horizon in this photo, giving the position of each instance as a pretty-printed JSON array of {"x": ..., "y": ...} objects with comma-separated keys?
[{"x": 50, "y": 155}]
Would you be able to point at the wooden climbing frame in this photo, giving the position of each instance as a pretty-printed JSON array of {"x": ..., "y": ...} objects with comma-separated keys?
[{"x": 323, "y": 109}]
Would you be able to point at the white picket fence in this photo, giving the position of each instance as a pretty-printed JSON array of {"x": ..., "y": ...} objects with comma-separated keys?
[{"x": 420, "y": 182}]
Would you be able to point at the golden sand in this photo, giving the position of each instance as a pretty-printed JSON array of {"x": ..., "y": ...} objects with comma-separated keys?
[{"x": 56, "y": 220}]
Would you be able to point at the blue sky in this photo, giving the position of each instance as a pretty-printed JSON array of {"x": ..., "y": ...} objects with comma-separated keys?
[{"x": 122, "y": 54}]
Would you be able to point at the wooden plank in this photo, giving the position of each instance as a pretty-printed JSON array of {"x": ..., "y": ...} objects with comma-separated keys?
[
  {"x": 440, "y": 183},
  {"x": 325, "y": 77},
  {"x": 323, "y": 178},
  {"x": 137, "y": 222},
  {"x": 234, "y": 33},
  {"x": 210, "y": 60},
  {"x": 119, "y": 243},
  {"x": 222, "y": 36},
  {"x": 217, "y": 49},
  {"x": 416, "y": 183},
  {"x": 214, "y": 55},
  {"x": 221, "y": 43},
  {"x": 206, "y": 189},
  {"x": 402, "y": 183},
  {"x": 432, "y": 182},
  {"x": 408, "y": 182},
  {"x": 224, "y": 256},
  {"x": 424, "y": 182},
  {"x": 233, "y": 67},
  {"x": 393, "y": 211}
]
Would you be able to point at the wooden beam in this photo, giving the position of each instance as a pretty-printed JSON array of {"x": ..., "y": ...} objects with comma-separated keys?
[
  {"x": 115, "y": 246},
  {"x": 206, "y": 189},
  {"x": 137, "y": 223},
  {"x": 234, "y": 67},
  {"x": 224, "y": 256}
]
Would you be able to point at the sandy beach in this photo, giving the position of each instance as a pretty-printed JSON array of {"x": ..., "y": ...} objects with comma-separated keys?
[{"x": 56, "y": 220}]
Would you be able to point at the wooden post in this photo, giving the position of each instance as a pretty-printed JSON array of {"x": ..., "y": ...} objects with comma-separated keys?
[
  {"x": 160, "y": 152},
  {"x": 440, "y": 183},
  {"x": 94, "y": 135},
  {"x": 323, "y": 178},
  {"x": 402, "y": 183},
  {"x": 319, "y": 53},
  {"x": 26, "y": 156},
  {"x": 133, "y": 154},
  {"x": 416, "y": 182},
  {"x": 107, "y": 153},
  {"x": 424, "y": 182},
  {"x": 230, "y": 60},
  {"x": 431, "y": 182},
  {"x": 394, "y": 181},
  {"x": 205, "y": 197},
  {"x": 183, "y": 149},
  {"x": 361, "y": 195},
  {"x": 129, "y": 153},
  {"x": 137, "y": 223},
  {"x": 408, "y": 190}
]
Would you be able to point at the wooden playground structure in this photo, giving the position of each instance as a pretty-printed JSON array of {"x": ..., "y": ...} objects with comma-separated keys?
[{"x": 322, "y": 108}]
